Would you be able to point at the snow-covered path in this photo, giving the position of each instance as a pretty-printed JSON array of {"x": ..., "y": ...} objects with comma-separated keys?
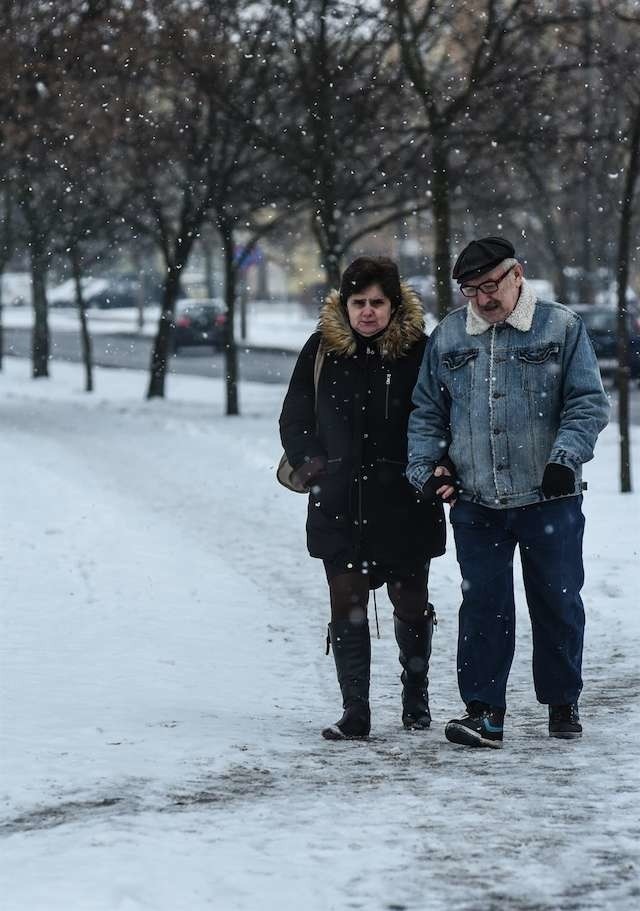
[{"x": 163, "y": 684}]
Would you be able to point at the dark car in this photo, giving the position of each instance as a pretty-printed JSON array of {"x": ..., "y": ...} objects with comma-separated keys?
[
  {"x": 600, "y": 323},
  {"x": 199, "y": 322}
]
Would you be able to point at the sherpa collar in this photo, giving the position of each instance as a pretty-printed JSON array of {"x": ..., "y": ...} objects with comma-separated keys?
[
  {"x": 404, "y": 330},
  {"x": 521, "y": 317}
]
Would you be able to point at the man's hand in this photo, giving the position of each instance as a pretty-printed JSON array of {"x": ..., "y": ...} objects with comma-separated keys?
[
  {"x": 558, "y": 480},
  {"x": 436, "y": 486}
]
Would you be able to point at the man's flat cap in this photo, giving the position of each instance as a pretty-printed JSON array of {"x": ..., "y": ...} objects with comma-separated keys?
[{"x": 481, "y": 256}]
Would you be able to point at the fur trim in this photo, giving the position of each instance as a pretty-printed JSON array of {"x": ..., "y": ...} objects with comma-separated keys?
[
  {"x": 521, "y": 317},
  {"x": 404, "y": 330}
]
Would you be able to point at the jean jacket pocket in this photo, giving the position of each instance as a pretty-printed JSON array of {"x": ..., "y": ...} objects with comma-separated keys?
[
  {"x": 458, "y": 370},
  {"x": 540, "y": 366}
]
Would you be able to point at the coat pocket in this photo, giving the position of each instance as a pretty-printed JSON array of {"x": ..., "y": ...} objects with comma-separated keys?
[{"x": 330, "y": 491}]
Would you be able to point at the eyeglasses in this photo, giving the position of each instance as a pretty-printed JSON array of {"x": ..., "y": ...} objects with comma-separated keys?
[{"x": 486, "y": 287}]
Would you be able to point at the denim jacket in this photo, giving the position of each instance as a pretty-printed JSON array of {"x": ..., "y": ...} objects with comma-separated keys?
[{"x": 503, "y": 400}]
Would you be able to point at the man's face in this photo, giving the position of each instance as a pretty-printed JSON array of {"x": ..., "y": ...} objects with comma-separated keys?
[
  {"x": 369, "y": 311},
  {"x": 495, "y": 306}
]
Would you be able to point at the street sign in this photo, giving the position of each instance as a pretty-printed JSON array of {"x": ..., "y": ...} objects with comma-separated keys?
[{"x": 252, "y": 258}]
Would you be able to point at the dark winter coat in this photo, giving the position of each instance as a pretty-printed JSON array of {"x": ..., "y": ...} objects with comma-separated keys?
[{"x": 361, "y": 506}]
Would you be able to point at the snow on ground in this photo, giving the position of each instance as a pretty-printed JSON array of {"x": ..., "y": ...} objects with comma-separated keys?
[{"x": 164, "y": 683}]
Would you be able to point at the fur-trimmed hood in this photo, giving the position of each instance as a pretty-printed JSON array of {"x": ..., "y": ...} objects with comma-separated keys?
[{"x": 404, "y": 330}]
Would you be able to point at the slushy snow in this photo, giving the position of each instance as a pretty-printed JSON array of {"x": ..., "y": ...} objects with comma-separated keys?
[{"x": 164, "y": 683}]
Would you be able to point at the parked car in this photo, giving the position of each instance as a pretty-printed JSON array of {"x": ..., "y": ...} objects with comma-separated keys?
[
  {"x": 198, "y": 321},
  {"x": 107, "y": 293},
  {"x": 600, "y": 323}
]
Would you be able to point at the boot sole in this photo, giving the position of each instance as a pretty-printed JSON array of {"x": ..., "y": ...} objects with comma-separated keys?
[
  {"x": 334, "y": 733},
  {"x": 565, "y": 735},
  {"x": 416, "y": 726},
  {"x": 457, "y": 733}
]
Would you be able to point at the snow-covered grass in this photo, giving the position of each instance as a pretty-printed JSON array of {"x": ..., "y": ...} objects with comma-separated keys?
[{"x": 164, "y": 682}]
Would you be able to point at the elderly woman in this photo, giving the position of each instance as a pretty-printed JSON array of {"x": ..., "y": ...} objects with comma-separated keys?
[{"x": 344, "y": 431}]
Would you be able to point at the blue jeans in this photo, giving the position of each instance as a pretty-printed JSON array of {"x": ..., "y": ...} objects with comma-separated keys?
[{"x": 549, "y": 535}]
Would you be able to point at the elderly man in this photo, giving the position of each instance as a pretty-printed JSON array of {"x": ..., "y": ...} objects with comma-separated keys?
[{"x": 509, "y": 389}]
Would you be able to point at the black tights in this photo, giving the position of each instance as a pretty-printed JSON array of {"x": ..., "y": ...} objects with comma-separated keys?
[{"x": 350, "y": 596}]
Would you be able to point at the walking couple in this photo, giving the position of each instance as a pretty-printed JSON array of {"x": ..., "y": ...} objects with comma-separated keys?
[{"x": 493, "y": 414}]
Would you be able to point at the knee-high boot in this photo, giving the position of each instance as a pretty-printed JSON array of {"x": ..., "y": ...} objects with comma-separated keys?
[
  {"x": 414, "y": 642},
  {"x": 351, "y": 646}
]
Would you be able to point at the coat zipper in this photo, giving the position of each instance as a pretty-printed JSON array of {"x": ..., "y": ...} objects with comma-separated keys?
[{"x": 386, "y": 398}]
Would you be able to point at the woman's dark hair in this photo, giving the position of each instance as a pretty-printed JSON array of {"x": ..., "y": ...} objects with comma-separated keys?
[{"x": 371, "y": 270}]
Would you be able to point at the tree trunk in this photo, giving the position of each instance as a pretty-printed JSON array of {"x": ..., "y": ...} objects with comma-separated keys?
[
  {"x": 624, "y": 243},
  {"x": 332, "y": 268},
  {"x": 207, "y": 253},
  {"x": 327, "y": 237},
  {"x": 332, "y": 265},
  {"x": 560, "y": 284},
  {"x": 262, "y": 279},
  {"x": 1, "y": 325},
  {"x": 553, "y": 244},
  {"x": 244, "y": 304},
  {"x": 550, "y": 235},
  {"x": 140, "y": 270},
  {"x": 327, "y": 233},
  {"x": 85, "y": 338},
  {"x": 160, "y": 353},
  {"x": 587, "y": 271},
  {"x": 6, "y": 250},
  {"x": 40, "y": 336},
  {"x": 442, "y": 226},
  {"x": 231, "y": 353}
]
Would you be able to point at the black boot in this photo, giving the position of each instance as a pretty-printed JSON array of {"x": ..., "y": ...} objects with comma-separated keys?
[
  {"x": 414, "y": 642},
  {"x": 352, "y": 653},
  {"x": 564, "y": 721}
]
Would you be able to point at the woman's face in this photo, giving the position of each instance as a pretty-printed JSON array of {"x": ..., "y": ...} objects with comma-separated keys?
[{"x": 369, "y": 311}]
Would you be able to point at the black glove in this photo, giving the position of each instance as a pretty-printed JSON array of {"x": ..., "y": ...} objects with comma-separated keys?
[
  {"x": 433, "y": 484},
  {"x": 558, "y": 480},
  {"x": 310, "y": 470}
]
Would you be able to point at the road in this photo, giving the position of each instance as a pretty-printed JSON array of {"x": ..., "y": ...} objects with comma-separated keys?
[
  {"x": 261, "y": 366},
  {"x": 128, "y": 351}
]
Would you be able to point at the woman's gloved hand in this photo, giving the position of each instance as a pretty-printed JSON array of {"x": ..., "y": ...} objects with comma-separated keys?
[{"x": 310, "y": 470}]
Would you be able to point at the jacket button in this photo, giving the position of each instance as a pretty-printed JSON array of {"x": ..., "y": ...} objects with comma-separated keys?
[
  {"x": 496, "y": 431},
  {"x": 503, "y": 501},
  {"x": 499, "y": 467},
  {"x": 497, "y": 395}
]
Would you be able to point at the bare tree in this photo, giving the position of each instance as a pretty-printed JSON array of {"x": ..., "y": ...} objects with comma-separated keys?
[
  {"x": 39, "y": 49},
  {"x": 465, "y": 64},
  {"x": 336, "y": 121},
  {"x": 183, "y": 160},
  {"x": 6, "y": 242},
  {"x": 628, "y": 44}
]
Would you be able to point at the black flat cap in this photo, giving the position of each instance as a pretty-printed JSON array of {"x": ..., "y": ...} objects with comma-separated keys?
[{"x": 481, "y": 256}]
